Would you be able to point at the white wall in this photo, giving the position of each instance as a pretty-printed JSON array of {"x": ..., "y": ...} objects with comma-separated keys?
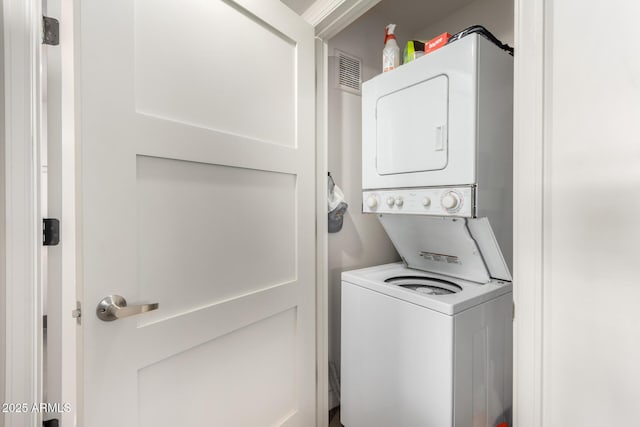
[
  {"x": 362, "y": 241},
  {"x": 592, "y": 210},
  {"x": 2, "y": 220},
  {"x": 494, "y": 15}
]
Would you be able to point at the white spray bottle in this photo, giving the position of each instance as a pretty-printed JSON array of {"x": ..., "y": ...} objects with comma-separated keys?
[{"x": 391, "y": 51}]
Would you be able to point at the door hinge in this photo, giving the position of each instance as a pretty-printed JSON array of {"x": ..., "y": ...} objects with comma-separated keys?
[
  {"x": 77, "y": 313},
  {"x": 50, "y": 31},
  {"x": 513, "y": 311},
  {"x": 50, "y": 231}
]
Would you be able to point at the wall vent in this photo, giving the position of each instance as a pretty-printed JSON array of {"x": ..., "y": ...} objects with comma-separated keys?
[{"x": 348, "y": 72}]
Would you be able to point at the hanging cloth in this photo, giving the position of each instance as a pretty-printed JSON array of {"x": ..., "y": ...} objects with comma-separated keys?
[{"x": 336, "y": 206}]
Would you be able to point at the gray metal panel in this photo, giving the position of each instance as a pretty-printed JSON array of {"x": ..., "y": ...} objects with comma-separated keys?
[
  {"x": 483, "y": 364},
  {"x": 482, "y": 233},
  {"x": 494, "y": 195}
]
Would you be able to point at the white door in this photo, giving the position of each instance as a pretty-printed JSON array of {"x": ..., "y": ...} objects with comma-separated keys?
[{"x": 196, "y": 129}]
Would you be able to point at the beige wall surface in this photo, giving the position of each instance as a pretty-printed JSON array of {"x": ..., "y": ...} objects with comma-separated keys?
[
  {"x": 362, "y": 241},
  {"x": 2, "y": 219},
  {"x": 495, "y": 15},
  {"x": 592, "y": 204}
]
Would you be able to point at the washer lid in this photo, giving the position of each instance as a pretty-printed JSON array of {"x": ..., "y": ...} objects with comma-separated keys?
[{"x": 458, "y": 247}]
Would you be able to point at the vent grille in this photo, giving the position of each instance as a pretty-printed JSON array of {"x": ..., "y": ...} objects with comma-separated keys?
[{"x": 348, "y": 72}]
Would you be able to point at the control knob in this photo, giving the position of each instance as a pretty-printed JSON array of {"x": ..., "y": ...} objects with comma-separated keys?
[
  {"x": 450, "y": 201},
  {"x": 399, "y": 202},
  {"x": 426, "y": 201},
  {"x": 391, "y": 201},
  {"x": 372, "y": 202}
]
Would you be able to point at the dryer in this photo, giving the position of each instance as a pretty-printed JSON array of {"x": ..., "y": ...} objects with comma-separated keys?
[
  {"x": 440, "y": 119},
  {"x": 437, "y": 137}
]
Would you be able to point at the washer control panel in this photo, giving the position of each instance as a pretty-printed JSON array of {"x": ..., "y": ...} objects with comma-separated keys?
[{"x": 440, "y": 201}]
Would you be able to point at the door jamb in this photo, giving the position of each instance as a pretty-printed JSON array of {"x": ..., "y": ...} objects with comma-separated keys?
[
  {"x": 63, "y": 329},
  {"x": 322, "y": 264},
  {"x": 531, "y": 102},
  {"x": 22, "y": 229}
]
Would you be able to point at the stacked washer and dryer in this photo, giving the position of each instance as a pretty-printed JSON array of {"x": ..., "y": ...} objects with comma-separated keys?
[{"x": 428, "y": 342}]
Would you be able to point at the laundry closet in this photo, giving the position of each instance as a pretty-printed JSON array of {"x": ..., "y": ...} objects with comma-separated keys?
[{"x": 357, "y": 51}]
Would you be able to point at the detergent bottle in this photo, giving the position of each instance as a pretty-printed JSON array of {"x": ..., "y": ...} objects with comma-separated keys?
[{"x": 391, "y": 51}]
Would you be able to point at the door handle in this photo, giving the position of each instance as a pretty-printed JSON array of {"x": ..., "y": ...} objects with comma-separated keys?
[
  {"x": 440, "y": 138},
  {"x": 115, "y": 307}
]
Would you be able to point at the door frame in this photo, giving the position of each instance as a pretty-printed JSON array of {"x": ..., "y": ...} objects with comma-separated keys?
[
  {"x": 22, "y": 227},
  {"x": 532, "y": 93},
  {"x": 60, "y": 384},
  {"x": 531, "y": 98}
]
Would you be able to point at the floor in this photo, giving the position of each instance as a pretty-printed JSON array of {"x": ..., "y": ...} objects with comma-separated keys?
[{"x": 334, "y": 417}]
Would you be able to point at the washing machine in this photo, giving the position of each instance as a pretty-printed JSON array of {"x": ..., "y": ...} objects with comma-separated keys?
[
  {"x": 422, "y": 349},
  {"x": 428, "y": 342}
]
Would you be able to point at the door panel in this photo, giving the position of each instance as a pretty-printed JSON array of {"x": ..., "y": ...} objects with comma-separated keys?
[
  {"x": 232, "y": 50},
  {"x": 254, "y": 364},
  {"x": 196, "y": 127},
  {"x": 203, "y": 259}
]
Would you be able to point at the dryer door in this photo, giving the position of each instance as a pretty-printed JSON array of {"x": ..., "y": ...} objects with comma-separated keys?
[{"x": 411, "y": 134}]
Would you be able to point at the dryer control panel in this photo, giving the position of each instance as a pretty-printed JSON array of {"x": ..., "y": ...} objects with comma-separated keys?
[{"x": 439, "y": 201}]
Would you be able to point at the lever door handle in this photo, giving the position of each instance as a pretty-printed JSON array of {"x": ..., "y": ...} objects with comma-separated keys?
[{"x": 115, "y": 307}]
